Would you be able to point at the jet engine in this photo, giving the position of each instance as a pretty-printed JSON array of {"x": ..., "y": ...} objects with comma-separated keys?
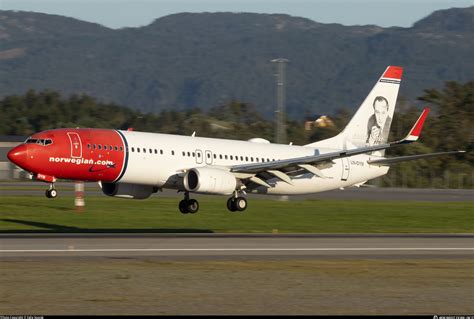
[
  {"x": 210, "y": 180},
  {"x": 125, "y": 190}
]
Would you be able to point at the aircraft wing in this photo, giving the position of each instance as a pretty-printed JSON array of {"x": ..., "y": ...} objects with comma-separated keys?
[
  {"x": 393, "y": 160},
  {"x": 307, "y": 162}
]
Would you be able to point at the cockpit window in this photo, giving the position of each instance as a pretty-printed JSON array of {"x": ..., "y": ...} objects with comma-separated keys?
[{"x": 40, "y": 141}]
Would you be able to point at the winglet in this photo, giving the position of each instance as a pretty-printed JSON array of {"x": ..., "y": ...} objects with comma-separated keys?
[{"x": 416, "y": 129}]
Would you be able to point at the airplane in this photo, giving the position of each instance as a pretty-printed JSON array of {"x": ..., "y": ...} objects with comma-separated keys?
[{"x": 131, "y": 164}]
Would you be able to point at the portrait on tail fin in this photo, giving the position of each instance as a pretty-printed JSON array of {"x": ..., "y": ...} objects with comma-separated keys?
[{"x": 378, "y": 126}]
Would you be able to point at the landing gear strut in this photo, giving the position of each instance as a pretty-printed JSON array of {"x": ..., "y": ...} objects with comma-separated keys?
[
  {"x": 188, "y": 205},
  {"x": 236, "y": 204},
  {"x": 51, "y": 192}
]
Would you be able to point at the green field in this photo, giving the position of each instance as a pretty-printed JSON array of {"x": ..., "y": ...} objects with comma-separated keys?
[{"x": 103, "y": 214}]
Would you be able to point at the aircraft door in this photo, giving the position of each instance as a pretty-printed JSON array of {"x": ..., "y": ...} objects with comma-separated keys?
[
  {"x": 76, "y": 144},
  {"x": 208, "y": 156},
  {"x": 345, "y": 168},
  {"x": 198, "y": 156}
]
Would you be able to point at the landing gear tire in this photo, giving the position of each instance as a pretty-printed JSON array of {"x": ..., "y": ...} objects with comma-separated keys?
[
  {"x": 51, "y": 193},
  {"x": 182, "y": 207},
  {"x": 235, "y": 204},
  {"x": 190, "y": 206},
  {"x": 231, "y": 204},
  {"x": 240, "y": 204}
]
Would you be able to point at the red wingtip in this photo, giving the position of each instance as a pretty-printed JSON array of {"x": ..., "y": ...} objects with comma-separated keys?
[
  {"x": 416, "y": 130},
  {"x": 393, "y": 72}
]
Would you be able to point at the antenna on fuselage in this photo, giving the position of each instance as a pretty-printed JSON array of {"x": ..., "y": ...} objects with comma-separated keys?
[{"x": 194, "y": 134}]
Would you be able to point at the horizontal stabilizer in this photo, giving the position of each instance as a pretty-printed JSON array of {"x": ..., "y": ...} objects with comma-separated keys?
[{"x": 393, "y": 160}]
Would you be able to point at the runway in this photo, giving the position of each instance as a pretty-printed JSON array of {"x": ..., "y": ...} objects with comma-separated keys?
[{"x": 207, "y": 246}]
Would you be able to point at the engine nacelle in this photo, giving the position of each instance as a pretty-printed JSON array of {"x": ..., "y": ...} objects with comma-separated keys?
[
  {"x": 124, "y": 190},
  {"x": 210, "y": 180}
]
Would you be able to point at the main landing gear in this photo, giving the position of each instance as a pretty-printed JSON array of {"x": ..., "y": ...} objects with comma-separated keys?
[
  {"x": 236, "y": 204},
  {"x": 191, "y": 206},
  {"x": 188, "y": 206},
  {"x": 51, "y": 192}
]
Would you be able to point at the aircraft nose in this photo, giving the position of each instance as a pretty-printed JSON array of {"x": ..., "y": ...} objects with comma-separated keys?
[{"x": 18, "y": 155}]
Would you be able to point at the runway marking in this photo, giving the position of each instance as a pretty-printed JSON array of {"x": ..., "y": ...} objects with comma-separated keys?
[{"x": 228, "y": 249}]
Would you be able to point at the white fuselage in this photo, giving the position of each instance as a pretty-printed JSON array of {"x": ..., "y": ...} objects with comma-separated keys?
[{"x": 162, "y": 160}]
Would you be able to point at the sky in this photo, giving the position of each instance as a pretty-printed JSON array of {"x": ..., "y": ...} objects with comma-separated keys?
[{"x": 135, "y": 13}]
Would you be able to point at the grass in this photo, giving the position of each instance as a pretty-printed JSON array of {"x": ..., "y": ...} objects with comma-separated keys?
[{"x": 160, "y": 214}]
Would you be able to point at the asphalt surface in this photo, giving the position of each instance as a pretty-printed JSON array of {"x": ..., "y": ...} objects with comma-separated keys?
[
  {"x": 208, "y": 246},
  {"x": 352, "y": 193}
]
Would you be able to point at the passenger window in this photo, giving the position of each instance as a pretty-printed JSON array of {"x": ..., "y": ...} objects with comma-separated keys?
[
  {"x": 241, "y": 158},
  {"x": 225, "y": 156},
  {"x": 133, "y": 149},
  {"x": 156, "y": 151},
  {"x": 116, "y": 148},
  {"x": 121, "y": 148},
  {"x": 99, "y": 146},
  {"x": 220, "y": 156},
  {"x": 172, "y": 152},
  {"x": 138, "y": 149},
  {"x": 215, "y": 156},
  {"x": 257, "y": 159},
  {"x": 231, "y": 157},
  {"x": 161, "y": 152},
  {"x": 144, "y": 150},
  {"x": 88, "y": 146},
  {"x": 184, "y": 153},
  {"x": 93, "y": 146},
  {"x": 194, "y": 154},
  {"x": 150, "y": 151}
]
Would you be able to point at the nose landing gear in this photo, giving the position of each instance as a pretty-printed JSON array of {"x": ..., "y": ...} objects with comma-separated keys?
[{"x": 51, "y": 192}]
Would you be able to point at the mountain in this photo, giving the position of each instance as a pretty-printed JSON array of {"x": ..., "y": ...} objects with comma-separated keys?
[{"x": 206, "y": 59}]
